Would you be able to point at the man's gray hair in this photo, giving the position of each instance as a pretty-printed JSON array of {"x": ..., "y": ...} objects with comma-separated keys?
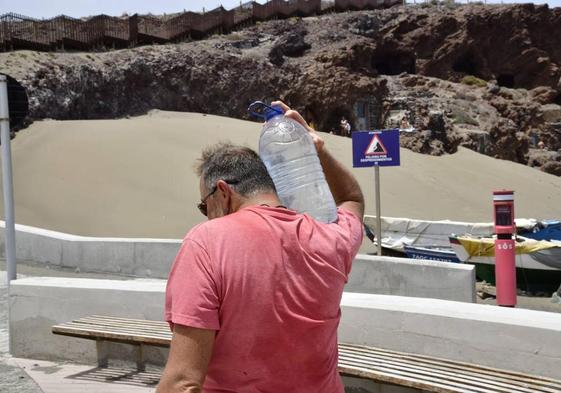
[{"x": 233, "y": 163}]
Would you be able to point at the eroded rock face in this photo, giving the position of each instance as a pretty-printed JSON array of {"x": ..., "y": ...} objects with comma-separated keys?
[
  {"x": 553, "y": 167},
  {"x": 508, "y": 143},
  {"x": 291, "y": 43},
  {"x": 517, "y": 46},
  {"x": 484, "y": 77}
]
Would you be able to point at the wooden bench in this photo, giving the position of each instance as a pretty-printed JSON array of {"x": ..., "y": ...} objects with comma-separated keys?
[{"x": 376, "y": 364}]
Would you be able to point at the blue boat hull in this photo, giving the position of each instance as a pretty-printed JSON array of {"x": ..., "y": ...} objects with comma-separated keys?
[
  {"x": 546, "y": 230},
  {"x": 436, "y": 254}
]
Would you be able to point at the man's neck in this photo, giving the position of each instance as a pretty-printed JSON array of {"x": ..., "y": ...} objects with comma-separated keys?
[{"x": 269, "y": 199}]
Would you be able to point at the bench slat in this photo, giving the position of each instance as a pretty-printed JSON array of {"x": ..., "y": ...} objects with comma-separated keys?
[
  {"x": 139, "y": 321},
  {"x": 121, "y": 324}
]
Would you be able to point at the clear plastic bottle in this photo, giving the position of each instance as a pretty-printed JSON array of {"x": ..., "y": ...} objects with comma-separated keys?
[{"x": 290, "y": 156}]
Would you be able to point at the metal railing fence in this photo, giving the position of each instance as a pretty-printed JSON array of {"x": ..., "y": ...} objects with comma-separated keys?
[{"x": 103, "y": 31}]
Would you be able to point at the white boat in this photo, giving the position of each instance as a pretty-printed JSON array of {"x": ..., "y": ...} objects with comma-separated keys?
[{"x": 400, "y": 232}]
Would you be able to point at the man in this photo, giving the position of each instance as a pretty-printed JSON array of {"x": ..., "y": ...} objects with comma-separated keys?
[
  {"x": 253, "y": 295},
  {"x": 345, "y": 127}
]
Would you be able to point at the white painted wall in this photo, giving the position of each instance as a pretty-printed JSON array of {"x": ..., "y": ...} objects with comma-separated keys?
[
  {"x": 136, "y": 257},
  {"x": 153, "y": 258},
  {"x": 38, "y": 303},
  {"x": 412, "y": 277}
]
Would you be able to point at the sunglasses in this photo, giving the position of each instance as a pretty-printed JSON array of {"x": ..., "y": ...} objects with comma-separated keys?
[{"x": 202, "y": 206}]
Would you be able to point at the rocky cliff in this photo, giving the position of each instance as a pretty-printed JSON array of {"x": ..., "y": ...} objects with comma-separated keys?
[{"x": 485, "y": 77}]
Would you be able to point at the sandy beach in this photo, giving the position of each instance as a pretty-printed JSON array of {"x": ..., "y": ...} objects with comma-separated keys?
[{"x": 134, "y": 177}]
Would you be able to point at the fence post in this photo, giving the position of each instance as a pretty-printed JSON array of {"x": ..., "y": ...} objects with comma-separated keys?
[{"x": 133, "y": 30}]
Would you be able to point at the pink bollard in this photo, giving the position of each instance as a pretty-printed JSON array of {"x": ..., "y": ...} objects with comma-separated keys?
[
  {"x": 505, "y": 272},
  {"x": 505, "y": 250}
]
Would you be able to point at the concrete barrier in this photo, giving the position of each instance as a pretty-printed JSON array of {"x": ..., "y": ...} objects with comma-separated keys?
[
  {"x": 509, "y": 338},
  {"x": 412, "y": 277},
  {"x": 135, "y": 257},
  {"x": 516, "y": 339},
  {"x": 38, "y": 303},
  {"x": 153, "y": 258}
]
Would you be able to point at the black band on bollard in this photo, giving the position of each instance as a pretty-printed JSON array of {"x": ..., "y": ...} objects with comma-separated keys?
[{"x": 504, "y": 236}]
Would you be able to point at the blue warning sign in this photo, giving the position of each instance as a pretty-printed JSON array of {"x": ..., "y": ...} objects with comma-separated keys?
[{"x": 376, "y": 148}]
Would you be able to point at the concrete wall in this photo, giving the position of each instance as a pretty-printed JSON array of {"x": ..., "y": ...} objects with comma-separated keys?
[
  {"x": 153, "y": 258},
  {"x": 516, "y": 339},
  {"x": 137, "y": 257},
  {"x": 38, "y": 303},
  {"x": 412, "y": 277},
  {"x": 509, "y": 338}
]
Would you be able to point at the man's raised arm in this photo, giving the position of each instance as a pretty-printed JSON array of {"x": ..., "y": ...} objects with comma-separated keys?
[{"x": 343, "y": 185}]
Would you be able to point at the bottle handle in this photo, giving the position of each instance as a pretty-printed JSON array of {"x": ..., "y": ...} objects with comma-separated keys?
[{"x": 263, "y": 111}]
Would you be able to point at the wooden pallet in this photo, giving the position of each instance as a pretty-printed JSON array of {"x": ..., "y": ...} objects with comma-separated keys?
[{"x": 380, "y": 365}]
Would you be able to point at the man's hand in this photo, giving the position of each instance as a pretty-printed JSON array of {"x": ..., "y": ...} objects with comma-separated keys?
[
  {"x": 188, "y": 360},
  {"x": 318, "y": 140}
]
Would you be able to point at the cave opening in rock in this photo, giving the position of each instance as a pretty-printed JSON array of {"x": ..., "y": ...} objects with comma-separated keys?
[
  {"x": 557, "y": 99},
  {"x": 506, "y": 80},
  {"x": 394, "y": 63},
  {"x": 466, "y": 64},
  {"x": 333, "y": 121}
]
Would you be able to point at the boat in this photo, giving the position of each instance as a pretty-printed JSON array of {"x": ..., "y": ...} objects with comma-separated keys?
[
  {"x": 542, "y": 230},
  {"x": 400, "y": 232},
  {"x": 530, "y": 253},
  {"x": 434, "y": 253},
  {"x": 538, "y": 262}
]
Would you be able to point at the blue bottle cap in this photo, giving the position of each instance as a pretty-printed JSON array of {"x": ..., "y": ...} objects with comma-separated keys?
[{"x": 263, "y": 111}]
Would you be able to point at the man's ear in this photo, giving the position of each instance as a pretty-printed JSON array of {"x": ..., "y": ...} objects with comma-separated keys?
[
  {"x": 223, "y": 187},
  {"x": 224, "y": 191}
]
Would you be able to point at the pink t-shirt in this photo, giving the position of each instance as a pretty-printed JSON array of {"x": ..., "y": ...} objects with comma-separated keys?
[{"x": 270, "y": 282}]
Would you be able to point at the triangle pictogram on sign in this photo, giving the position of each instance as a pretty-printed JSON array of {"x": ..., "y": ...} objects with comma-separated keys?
[{"x": 376, "y": 147}]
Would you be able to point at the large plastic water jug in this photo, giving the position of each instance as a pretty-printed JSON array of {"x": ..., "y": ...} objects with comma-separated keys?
[{"x": 290, "y": 156}]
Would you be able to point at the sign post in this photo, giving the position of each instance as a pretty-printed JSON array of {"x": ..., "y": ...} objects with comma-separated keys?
[
  {"x": 10, "y": 116},
  {"x": 378, "y": 210},
  {"x": 376, "y": 148},
  {"x": 9, "y": 229}
]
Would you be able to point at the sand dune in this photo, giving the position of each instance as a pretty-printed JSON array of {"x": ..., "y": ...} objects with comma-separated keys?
[{"x": 134, "y": 178}]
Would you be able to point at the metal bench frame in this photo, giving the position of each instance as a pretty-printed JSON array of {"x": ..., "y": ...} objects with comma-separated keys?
[{"x": 380, "y": 365}]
